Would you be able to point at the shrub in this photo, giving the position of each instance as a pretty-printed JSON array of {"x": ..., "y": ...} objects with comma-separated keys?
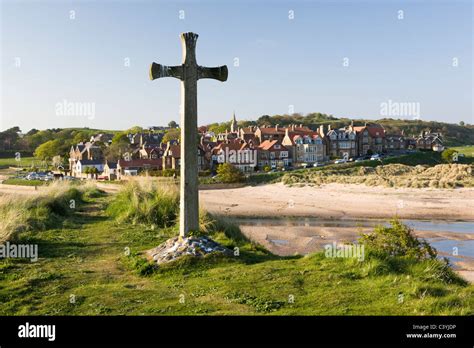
[
  {"x": 205, "y": 173},
  {"x": 170, "y": 172},
  {"x": 397, "y": 240},
  {"x": 449, "y": 155},
  {"x": 228, "y": 173}
]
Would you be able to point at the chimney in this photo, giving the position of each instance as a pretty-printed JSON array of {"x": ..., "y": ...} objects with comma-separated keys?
[
  {"x": 301, "y": 125},
  {"x": 286, "y": 131},
  {"x": 276, "y": 127},
  {"x": 321, "y": 130},
  {"x": 329, "y": 127}
]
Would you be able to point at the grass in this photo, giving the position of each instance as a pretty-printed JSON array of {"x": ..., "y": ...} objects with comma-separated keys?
[
  {"x": 25, "y": 162},
  {"x": 390, "y": 175},
  {"x": 145, "y": 201},
  {"x": 23, "y": 182},
  {"x": 468, "y": 152},
  {"x": 85, "y": 268},
  {"x": 43, "y": 211}
]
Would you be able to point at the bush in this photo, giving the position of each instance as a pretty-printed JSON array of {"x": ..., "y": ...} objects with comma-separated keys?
[
  {"x": 170, "y": 172},
  {"x": 227, "y": 173},
  {"x": 449, "y": 155},
  {"x": 397, "y": 240}
]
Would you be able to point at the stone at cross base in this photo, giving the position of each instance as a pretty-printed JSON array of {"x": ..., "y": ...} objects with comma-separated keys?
[{"x": 189, "y": 72}]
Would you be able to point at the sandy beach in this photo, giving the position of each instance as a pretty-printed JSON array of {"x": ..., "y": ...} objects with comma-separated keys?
[{"x": 339, "y": 201}]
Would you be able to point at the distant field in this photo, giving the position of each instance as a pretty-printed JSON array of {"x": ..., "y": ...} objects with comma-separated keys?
[
  {"x": 25, "y": 161},
  {"x": 466, "y": 150},
  {"x": 22, "y": 182}
]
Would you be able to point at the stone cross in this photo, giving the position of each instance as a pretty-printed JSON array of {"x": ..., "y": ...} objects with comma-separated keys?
[{"x": 188, "y": 72}]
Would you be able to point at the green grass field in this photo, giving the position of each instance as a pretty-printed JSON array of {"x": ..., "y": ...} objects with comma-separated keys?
[
  {"x": 84, "y": 270},
  {"x": 468, "y": 151},
  {"x": 22, "y": 182},
  {"x": 25, "y": 162}
]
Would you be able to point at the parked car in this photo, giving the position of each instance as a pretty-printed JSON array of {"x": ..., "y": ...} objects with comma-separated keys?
[
  {"x": 360, "y": 159},
  {"x": 32, "y": 176},
  {"x": 339, "y": 161},
  {"x": 375, "y": 157},
  {"x": 318, "y": 164},
  {"x": 69, "y": 178}
]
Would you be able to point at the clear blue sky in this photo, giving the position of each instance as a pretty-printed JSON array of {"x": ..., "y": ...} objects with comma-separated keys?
[{"x": 283, "y": 62}]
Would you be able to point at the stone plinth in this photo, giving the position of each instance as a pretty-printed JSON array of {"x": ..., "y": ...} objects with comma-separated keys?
[{"x": 178, "y": 247}]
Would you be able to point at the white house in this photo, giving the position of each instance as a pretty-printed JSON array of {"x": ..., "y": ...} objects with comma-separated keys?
[{"x": 81, "y": 165}]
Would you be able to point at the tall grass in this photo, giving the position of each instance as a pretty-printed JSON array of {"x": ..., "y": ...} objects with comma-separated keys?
[
  {"x": 150, "y": 202},
  {"x": 44, "y": 210},
  {"x": 146, "y": 201},
  {"x": 391, "y": 175}
]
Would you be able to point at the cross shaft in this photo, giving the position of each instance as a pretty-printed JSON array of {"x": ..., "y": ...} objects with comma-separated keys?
[{"x": 188, "y": 72}]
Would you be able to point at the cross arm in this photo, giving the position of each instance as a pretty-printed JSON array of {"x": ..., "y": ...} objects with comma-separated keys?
[
  {"x": 157, "y": 71},
  {"x": 219, "y": 73}
]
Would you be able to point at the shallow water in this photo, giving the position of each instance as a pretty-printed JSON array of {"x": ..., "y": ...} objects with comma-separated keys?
[
  {"x": 421, "y": 225},
  {"x": 465, "y": 248}
]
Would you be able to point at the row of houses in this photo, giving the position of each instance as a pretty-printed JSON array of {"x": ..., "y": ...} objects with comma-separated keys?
[
  {"x": 248, "y": 148},
  {"x": 297, "y": 145}
]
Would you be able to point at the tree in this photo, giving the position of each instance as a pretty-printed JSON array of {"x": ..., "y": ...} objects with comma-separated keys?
[
  {"x": 134, "y": 129},
  {"x": 462, "y": 124},
  {"x": 9, "y": 138},
  {"x": 87, "y": 171},
  {"x": 94, "y": 171},
  {"x": 48, "y": 150},
  {"x": 32, "y": 131},
  {"x": 81, "y": 136},
  {"x": 219, "y": 127},
  {"x": 172, "y": 134},
  {"x": 228, "y": 173},
  {"x": 57, "y": 161},
  {"x": 120, "y": 145},
  {"x": 172, "y": 124}
]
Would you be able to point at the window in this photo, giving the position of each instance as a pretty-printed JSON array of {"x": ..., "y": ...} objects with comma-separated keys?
[{"x": 284, "y": 154}]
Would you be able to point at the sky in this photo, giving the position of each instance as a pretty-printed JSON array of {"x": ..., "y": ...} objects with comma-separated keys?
[{"x": 86, "y": 63}]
